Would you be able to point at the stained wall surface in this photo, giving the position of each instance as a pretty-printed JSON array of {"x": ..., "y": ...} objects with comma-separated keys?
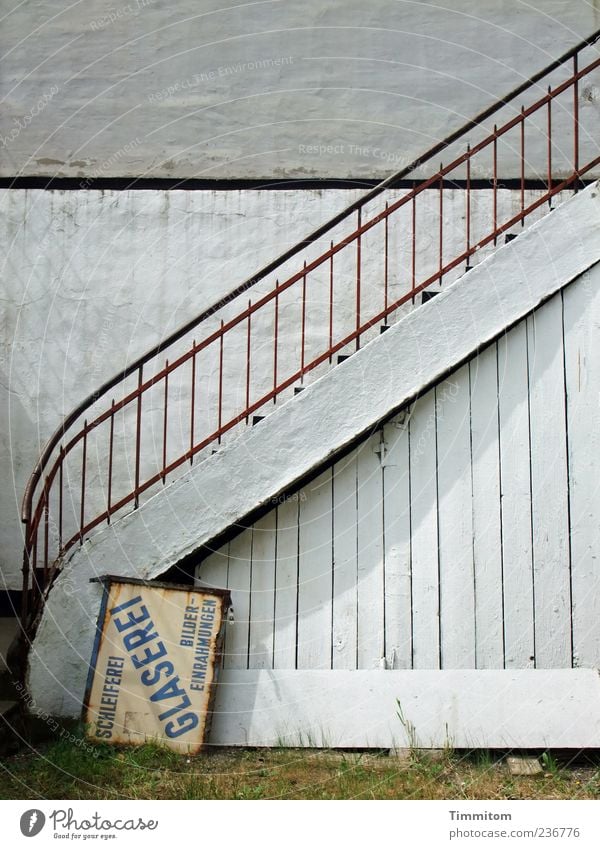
[
  {"x": 463, "y": 534},
  {"x": 267, "y": 89}
]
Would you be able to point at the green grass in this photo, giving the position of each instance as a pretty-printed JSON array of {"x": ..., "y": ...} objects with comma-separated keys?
[{"x": 64, "y": 770}]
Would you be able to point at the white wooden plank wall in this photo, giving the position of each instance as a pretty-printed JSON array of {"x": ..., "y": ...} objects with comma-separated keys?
[
  {"x": 582, "y": 369},
  {"x": 462, "y": 534},
  {"x": 515, "y": 472},
  {"x": 345, "y": 564},
  {"x": 487, "y": 512},
  {"x": 397, "y": 546}
]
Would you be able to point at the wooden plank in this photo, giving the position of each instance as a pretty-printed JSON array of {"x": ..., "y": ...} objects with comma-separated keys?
[
  {"x": 516, "y": 498},
  {"x": 582, "y": 367},
  {"x": 315, "y": 567},
  {"x": 455, "y": 518},
  {"x": 345, "y": 563},
  {"x": 424, "y": 531},
  {"x": 487, "y": 534},
  {"x": 262, "y": 592},
  {"x": 503, "y": 709},
  {"x": 286, "y": 584},
  {"x": 549, "y": 487},
  {"x": 212, "y": 572},
  {"x": 397, "y": 547},
  {"x": 236, "y": 636},
  {"x": 369, "y": 527}
]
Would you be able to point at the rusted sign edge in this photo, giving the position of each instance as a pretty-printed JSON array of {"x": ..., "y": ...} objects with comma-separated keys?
[{"x": 163, "y": 585}]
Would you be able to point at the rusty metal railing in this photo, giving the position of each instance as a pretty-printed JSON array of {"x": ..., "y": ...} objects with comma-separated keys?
[{"x": 312, "y": 303}]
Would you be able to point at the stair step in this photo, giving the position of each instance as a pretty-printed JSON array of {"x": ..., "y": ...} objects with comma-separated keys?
[
  {"x": 509, "y": 237},
  {"x": 256, "y": 420},
  {"x": 298, "y": 389},
  {"x": 342, "y": 357},
  {"x": 428, "y": 296},
  {"x": 384, "y": 327}
]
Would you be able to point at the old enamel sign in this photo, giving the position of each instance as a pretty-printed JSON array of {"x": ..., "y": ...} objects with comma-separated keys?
[{"x": 154, "y": 664}]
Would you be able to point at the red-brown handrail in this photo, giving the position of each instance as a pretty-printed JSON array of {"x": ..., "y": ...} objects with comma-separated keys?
[{"x": 342, "y": 323}]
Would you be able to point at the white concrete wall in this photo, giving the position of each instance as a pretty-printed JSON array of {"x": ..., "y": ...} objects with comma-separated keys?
[
  {"x": 91, "y": 280},
  {"x": 226, "y": 90},
  {"x": 460, "y": 535}
]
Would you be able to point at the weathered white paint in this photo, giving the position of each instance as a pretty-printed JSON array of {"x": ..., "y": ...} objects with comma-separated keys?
[
  {"x": 424, "y": 535},
  {"x": 549, "y": 486},
  {"x": 313, "y": 643},
  {"x": 344, "y": 635},
  {"x": 93, "y": 279},
  {"x": 264, "y": 89},
  {"x": 515, "y": 472},
  {"x": 455, "y": 522},
  {"x": 301, "y": 434},
  {"x": 397, "y": 544},
  {"x": 370, "y": 642},
  {"x": 582, "y": 370},
  {"x": 468, "y": 573},
  {"x": 466, "y": 709},
  {"x": 487, "y": 519}
]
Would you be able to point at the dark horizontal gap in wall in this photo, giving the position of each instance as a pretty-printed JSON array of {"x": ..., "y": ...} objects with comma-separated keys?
[{"x": 118, "y": 184}]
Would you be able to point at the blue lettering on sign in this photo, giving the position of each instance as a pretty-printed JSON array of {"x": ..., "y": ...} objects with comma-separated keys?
[{"x": 148, "y": 653}]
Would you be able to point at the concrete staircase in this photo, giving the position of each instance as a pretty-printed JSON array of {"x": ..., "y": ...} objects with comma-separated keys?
[{"x": 303, "y": 434}]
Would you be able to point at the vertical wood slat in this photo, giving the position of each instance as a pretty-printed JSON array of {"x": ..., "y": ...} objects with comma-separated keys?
[
  {"x": 516, "y": 498},
  {"x": 286, "y": 585},
  {"x": 481, "y": 468},
  {"x": 214, "y": 572},
  {"x": 344, "y": 590},
  {"x": 423, "y": 485},
  {"x": 487, "y": 533},
  {"x": 455, "y": 518},
  {"x": 397, "y": 547},
  {"x": 582, "y": 371},
  {"x": 549, "y": 495},
  {"x": 238, "y": 579},
  {"x": 315, "y": 571},
  {"x": 262, "y": 592},
  {"x": 369, "y": 530}
]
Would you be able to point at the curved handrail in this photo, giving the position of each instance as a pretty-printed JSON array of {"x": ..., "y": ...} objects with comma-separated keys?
[
  {"x": 312, "y": 237},
  {"x": 33, "y": 517}
]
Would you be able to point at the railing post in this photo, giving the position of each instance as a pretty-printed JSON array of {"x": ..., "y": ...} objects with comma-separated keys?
[
  {"x": 193, "y": 403},
  {"x": 220, "y": 411},
  {"x": 386, "y": 258},
  {"x": 138, "y": 437},
  {"x": 441, "y": 231},
  {"x": 576, "y": 120},
  {"x": 83, "y": 465},
  {"x": 358, "y": 281},
  {"x": 330, "y": 301},
  {"x": 468, "y": 199},
  {"x": 495, "y": 182},
  {"x": 275, "y": 340},
  {"x": 111, "y": 439},
  {"x": 522, "y": 166},
  {"x": 165, "y": 405}
]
